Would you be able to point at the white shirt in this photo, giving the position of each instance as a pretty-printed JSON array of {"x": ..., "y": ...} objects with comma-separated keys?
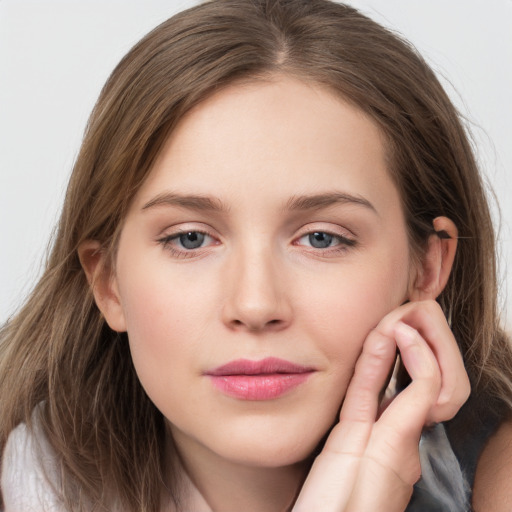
[
  {"x": 24, "y": 482},
  {"x": 25, "y": 485}
]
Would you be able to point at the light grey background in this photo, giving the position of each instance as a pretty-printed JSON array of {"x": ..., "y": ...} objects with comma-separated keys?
[{"x": 55, "y": 56}]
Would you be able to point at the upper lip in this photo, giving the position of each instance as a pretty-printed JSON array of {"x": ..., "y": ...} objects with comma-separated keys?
[{"x": 267, "y": 366}]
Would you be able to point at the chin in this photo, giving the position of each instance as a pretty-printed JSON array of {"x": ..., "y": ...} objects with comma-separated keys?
[
  {"x": 273, "y": 447},
  {"x": 270, "y": 456}
]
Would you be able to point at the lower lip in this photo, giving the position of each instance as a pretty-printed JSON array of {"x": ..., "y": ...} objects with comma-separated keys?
[{"x": 258, "y": 387}]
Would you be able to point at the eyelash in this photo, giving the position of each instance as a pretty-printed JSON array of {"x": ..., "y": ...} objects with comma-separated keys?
[
  {"x": 167, "y": 243},
  {"x": 344, "y": 243}
]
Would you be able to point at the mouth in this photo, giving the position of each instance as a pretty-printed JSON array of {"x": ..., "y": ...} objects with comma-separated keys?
[{"x": 266, "y": 379}]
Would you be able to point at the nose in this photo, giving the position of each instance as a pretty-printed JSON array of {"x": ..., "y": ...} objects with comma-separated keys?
[{"x": 256, "y": 296}]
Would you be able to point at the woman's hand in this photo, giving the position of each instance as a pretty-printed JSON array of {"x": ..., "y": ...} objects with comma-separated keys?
[{"x": 370, "y": 461}]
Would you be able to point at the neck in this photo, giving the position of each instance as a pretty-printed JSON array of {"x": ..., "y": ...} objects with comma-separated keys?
[{"x": 213, "y": 483}]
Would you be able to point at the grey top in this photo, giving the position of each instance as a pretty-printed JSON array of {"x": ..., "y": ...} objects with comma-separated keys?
[{"x": 449, "y": 455}]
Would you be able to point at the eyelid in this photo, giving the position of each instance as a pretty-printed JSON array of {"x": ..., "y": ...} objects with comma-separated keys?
[
  {"x": 186, "y": 227},
  {"x": 178, "y": 234},
  {"x": 174, "y": 232},
  {"x": 345, "y": 238},
  {"x": 329, "y": 228}
]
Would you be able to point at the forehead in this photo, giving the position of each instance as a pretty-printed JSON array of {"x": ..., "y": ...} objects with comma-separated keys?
[{"x": 280, "y": 136}]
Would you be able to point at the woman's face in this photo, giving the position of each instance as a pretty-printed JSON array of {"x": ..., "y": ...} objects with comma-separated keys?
[{"x": 266, "y": 243}]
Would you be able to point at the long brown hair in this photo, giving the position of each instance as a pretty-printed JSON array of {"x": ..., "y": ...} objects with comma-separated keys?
[{"x": 109, "y": 439}]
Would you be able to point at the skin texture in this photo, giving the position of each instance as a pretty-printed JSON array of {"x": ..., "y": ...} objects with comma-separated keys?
[{"x": 257, "y": 288}]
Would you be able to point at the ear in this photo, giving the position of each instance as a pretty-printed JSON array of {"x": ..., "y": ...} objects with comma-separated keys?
[
  {"x": 103, "y": 283},
  {"x": 436, "y": 265}
]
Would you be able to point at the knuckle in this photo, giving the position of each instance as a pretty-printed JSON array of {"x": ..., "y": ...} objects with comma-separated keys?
[
  {"x": 431, "y": 308},
  {"x": 379, "y": 347},
  {"x": 442, "y": 413},
  {"x": 463, "y": 390}
]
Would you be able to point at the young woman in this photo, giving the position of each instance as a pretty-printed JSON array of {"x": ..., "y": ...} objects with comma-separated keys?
[{"x": 273, "y": 199}]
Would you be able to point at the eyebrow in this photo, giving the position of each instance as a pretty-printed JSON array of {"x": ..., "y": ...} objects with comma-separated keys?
[
  {"x": 194, "y": 202},
  {"x": 295, "y": 203},
  {"x": 319, "y": 201}
]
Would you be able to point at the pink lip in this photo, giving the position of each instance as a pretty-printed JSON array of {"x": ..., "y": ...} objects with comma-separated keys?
[{"x": 258, "y": 380}]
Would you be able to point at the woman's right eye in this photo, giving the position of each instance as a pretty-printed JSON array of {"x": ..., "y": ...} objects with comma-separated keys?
[
  {"x": 192, "y": 239},
  {"x": 184, "y": 243}
]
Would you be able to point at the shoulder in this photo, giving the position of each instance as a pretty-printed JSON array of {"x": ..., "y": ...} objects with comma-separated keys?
[
  {"x": 493, "y": 479},
  {"x": 27, "y": 463}
]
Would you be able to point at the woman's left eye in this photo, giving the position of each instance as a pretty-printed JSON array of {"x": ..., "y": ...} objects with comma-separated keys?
[{"x": 324, "y": 240}]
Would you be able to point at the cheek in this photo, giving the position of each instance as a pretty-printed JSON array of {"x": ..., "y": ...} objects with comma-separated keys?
[
  {"x": 168, "y": 321},
  {"x": 166, "y": 312},
  {"x": 340, "y": 310}
]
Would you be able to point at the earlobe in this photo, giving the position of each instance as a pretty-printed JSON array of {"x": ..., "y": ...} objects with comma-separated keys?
[
  {"x": 103, "y": 284},
  {"x": 437, "y": 261}
]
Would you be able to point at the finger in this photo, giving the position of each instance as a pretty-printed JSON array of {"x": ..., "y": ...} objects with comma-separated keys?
[
  {"x": 361, "y": 404},
  {"x": 329, "y": 483},
  {"x": 377, "y": 485},
  {"x": 390, "y": 465},
  {"x": 395, "y": 437},
  {"x": 423, "y": 368},
  {"x": 370, "y": 376},
  {"x": 428, "y": 319},
  {"x": 334, "y": 472}
]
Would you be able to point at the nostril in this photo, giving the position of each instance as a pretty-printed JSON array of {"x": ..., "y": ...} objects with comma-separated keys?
[
  {"x": 257, "y": 326},
  {"x": 270, "y": 324}
]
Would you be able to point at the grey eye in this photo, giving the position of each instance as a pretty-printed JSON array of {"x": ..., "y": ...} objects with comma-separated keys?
[
  {"x": 320, "y": 240},
  {"x": 192, "y": 240}
]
